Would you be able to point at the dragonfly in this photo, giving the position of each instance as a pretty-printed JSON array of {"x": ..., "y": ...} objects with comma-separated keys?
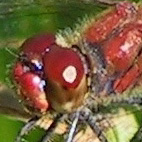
[{"x": 107, "y": 120}]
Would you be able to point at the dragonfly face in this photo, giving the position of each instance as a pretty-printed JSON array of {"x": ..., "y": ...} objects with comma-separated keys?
[
  {"x": 43, "y": 63},
  {"x": 72, "y": 76}
]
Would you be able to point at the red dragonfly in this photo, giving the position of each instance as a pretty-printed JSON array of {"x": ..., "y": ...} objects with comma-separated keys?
[{"x": 77, "y": 74}]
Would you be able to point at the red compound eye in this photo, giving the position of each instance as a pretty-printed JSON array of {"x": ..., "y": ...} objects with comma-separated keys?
[
  {"x": 33, "y": 50},
  {"x": 38, "y": 44},
  {"x": 18, "y": 71},
  {"x": 63, "y": 66},
  {"x": 32, "y": 89},
  {"x": 66, "y": 78},
  {"x": 28, "y": 71}
]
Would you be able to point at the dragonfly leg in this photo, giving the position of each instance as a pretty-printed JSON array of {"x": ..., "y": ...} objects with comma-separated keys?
[
  {"x": 92, "y": 119},
  {"x": 50, "y": 130},
  {"x": 27, "y": 128},
  {"x": 72, "y": 130}
]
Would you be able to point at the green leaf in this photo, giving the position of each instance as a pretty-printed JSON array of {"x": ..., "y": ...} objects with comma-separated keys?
[{"x": 125, "y": 123}]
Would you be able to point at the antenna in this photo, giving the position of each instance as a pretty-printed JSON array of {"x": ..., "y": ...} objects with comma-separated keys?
[{"x": 11, "y": 52}]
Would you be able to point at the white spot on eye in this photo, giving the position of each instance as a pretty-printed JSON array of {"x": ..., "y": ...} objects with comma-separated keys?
[
  {"x": 70, "y": 74},
  {"x": 41, "y": 83},
  {"x": 36, "y": 80},
  {"x": 47, "y": 50}
]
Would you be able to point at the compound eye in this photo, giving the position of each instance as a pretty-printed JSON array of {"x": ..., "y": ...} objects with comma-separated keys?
[
  {"x": 33, "y": 50},
  {"x": 64, "y": 66},
  {"x": 37, "y": 44}
]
